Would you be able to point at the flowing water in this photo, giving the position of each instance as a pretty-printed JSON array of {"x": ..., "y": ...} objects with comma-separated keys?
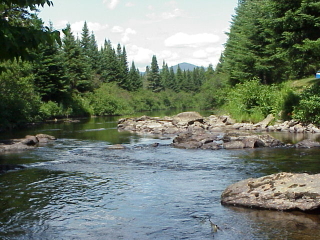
[{"x": 76, "y": 188}]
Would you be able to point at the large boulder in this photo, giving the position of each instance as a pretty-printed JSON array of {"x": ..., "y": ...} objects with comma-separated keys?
[
  {"x": 186, "y": 118},
  {"x": 281, "y": 191}
]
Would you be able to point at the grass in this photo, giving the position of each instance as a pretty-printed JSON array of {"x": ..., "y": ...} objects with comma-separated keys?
[{"x": 300, "y": 84}]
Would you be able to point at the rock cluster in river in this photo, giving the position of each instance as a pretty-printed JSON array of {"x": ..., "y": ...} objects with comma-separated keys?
[
  {"x": 216, "y": 141},
  {"x": 216, "y": 132},
  {"x": 281, "y": 191},
  {"x": 194, "y": 122},
  {"x": 29, "y": 142}
]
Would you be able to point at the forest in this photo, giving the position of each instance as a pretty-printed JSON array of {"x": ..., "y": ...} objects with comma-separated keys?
[{"x": 48, "y": 76}]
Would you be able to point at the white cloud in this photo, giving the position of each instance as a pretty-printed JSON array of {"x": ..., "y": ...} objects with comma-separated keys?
[
  {"x": 200, "y": 54},
  {"x": 117, "y": 29},
  {"x": 130, "y": 4},
  {"x": 124, "y": 32},
  {"x": 111, "y": 4},
  {"x": 207, "y": 52},
  {"x": 140, "y": 55},
  {"x": 173, "y": 14},
  {"x": 129, "y": 31},
  {"x": 196, "y": 40},
  {"x": 165, "y": 15}
]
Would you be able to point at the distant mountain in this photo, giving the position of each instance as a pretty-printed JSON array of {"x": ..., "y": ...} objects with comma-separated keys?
[{"x": 184, "y": 66}]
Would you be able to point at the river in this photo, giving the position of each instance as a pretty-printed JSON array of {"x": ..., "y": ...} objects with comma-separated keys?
[{"x": 76, "y": 188}]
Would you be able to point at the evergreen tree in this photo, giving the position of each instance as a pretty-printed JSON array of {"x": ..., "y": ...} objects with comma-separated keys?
[
  {"x": 124, "y": 81},
  {"x": 145, "y": 78},
  {"x": 85, "y": 40},
  {"x": 110, "y": 64},
  {"x": 179, "y": 78},
  {"x": 134, "y": 78},
  {"x": 50, "y": 79},
  {"x": 172, "y": 83},
  {"x": 188, "y": 83},
  {"x": 76, "y": 66},
  {"x": 165, "y": 75},
  {"x": 154, "y": 80},
  {"x": 209, "y": 72},
  {"x": 94, "y": 53},
  {"x": 273, "y": 40}
]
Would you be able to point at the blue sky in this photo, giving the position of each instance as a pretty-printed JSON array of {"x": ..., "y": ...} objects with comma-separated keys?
[{"x": 175, "y": 31}]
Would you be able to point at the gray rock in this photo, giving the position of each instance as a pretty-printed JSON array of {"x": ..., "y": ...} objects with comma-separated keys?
[
  {"x": 29, "y": 142},
  {"x": 233, "y": 145},
  {"x": 264, "y": 123},
  {"x": 307, "y": 143},
  {"x": 281, "y": 191}
]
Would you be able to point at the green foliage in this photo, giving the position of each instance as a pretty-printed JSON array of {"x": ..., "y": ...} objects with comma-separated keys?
[
  {"x": 308, "y": 108},
  {"x": 77, "y": 69},
  {"x": 19, "y": 102},
  {"x": 253, "y": 101},
  {"x": 50, "y": 79},
  {"x": 109, "y": 99},
  {"x": 213, "y": 92},
  {"x": 21, "y": 31},
  {"x": 153, "y": 77},
  {"x": 50, "y": 109},
  {"x": 273, "y": 40}
]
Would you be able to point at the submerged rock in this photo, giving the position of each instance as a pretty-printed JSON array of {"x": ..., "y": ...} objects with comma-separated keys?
[
  {"x": 281, "y": 191},
  {"x": 116, "y": 147},
  {"x": 7, "y": 167}
]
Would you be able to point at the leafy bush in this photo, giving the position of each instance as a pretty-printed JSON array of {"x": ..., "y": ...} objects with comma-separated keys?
[
  {"x": 50, "y": 109},
  {"x": 19, "y": 102},
  {"x": 253, "y": 101},
  {"x": 109, "y": 100},
  {"x": 308, "y": 108}
]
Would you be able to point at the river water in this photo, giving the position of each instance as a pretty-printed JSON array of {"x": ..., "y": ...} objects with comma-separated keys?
[{"x": 76, "y": 188}]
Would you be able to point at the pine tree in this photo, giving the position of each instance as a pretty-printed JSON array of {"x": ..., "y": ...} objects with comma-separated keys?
[
  {"x": 90, "y": 49},
  {"x": 94, "y": 53},
  {"x": 50, "y": 79},
  {"x": 85, "y": 40},
  {"x": 172, "y": 83},
  {"x": 110, "y": 64},
  {"x": 77, "y": 69},
  {"x": 165, "y": 75},
  {"x": 134, "y": 78},
  {"x": 179, "y": 78},
  {"x": 154, "y": 80},
  {"x": 124, "y": 81}
]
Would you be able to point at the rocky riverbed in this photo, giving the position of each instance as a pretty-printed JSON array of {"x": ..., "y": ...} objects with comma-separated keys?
[
  {"x": 194, "y": 122},
  {"x": 217, "y": 132}
]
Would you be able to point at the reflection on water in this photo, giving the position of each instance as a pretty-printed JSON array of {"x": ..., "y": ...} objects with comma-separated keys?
[{"x": 76, "y": 188}]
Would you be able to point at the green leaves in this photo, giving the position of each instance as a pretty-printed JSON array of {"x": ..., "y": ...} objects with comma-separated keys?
[{"x": 21, "y": 31}]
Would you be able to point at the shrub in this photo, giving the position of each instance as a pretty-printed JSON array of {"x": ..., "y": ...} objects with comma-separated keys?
[
  {"x": 50, "y": 110},
  {"x": 308, "y": 108},
  {"x": 19, "y": 102},
  {"x": 253, "y": 101}
]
